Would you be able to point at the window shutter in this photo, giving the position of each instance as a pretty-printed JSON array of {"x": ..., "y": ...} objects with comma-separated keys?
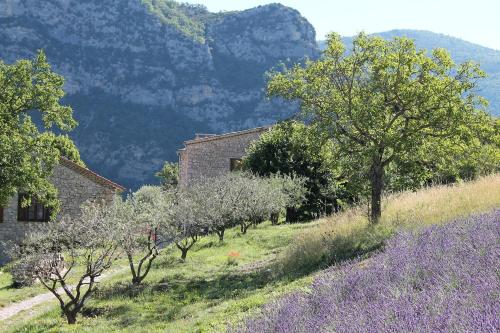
[{"x": 1, "y": 214}]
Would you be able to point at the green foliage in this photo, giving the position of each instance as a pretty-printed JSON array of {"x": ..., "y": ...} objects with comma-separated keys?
[
  {"x": 382, "y": 103},
  {"x": 294, "y": 149},
  {"x": 169, "y": 174},
  {"x": 27, "y": 156},
  {"x": 67, "y": 148},
  {"x": 188, "y": 19}
]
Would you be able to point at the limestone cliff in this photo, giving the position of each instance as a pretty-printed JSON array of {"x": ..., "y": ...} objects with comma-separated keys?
[{"x": 142, "y": 76}]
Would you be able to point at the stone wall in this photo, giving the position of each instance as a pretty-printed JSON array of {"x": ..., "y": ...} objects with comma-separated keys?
[
  {"x": 74, "y": 189},
  {"x": 210, "y": 157}
]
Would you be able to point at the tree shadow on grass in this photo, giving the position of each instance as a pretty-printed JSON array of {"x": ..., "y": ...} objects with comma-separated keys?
[{"x": 173, "y": 293}]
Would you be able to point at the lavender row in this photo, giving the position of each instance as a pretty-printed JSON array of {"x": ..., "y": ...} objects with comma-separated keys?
[{"x": 443, "y": 279}]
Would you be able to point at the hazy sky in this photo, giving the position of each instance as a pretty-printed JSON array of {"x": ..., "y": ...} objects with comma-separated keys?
[{"x": 477, "y": 21}]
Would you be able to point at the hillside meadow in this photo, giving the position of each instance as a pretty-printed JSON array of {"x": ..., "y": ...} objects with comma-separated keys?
[{"x": 223, "y": 284}]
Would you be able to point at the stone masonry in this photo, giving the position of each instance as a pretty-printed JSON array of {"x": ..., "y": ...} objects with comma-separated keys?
[
  {"x": 75, "y": 185},
  {"x": 209, "y": 156}
]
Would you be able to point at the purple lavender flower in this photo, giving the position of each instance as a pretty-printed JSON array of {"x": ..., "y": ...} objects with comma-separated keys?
[{"x": 443, "y": 279}]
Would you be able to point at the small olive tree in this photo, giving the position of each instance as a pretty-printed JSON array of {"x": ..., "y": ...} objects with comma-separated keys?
[
  {"x": 77, "y": 249},
  {"x": 222, "y": 198},
  {"x": 142, "y": 226},
  {"x": 267, "y": 197},
  {"x": 187, "y": 219}
]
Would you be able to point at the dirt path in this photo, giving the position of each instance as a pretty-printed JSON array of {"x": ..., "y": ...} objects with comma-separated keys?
[{"x": 13, "y": 309}]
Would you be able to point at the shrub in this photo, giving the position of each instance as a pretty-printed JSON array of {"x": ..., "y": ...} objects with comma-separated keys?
[
  {"x": 19, "y": 277},
  {"x": 444, "y": 279}
]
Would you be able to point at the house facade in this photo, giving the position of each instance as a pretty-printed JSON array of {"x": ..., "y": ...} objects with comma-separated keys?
[
  {"x": 209, "y": 155},
  {"x": 75, "y": 185}
]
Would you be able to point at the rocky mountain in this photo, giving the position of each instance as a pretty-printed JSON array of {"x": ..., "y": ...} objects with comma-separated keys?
[
  {"x": 460, "y": 51},
  {"x": 145, "y": 75}
]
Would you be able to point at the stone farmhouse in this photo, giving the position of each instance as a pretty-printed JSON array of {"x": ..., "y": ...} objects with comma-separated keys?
[
  {"x": 75, "y": 185},
  {"x": 209, "y": 155}
]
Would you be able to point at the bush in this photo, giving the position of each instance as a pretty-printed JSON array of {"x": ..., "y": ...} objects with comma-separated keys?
[{"x": 19, "y": 277}]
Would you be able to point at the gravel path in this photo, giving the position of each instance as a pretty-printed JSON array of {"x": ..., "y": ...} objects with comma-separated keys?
[{"x": 13, "y": 309}]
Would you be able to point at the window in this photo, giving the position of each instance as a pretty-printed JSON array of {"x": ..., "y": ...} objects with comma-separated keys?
[
  {"x": 35, "y": 212},
  {"x": 1, "y": 214},
  {"x": 235, "y": 164}
]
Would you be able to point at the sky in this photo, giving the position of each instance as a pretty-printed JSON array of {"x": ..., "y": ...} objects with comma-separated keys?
[{"x": 476, "y": 21}]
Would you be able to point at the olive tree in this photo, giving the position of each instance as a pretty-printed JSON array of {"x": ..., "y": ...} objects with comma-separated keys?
[
  {"x": 382, "y": 100},
  {"x": 142, "y": 226},
  {"x": 289, "y": 192},
  {"x": 75, "y": 249},
  {"x": 265, "y": 197},
  {"x": 222, "y": 199},
  {"x": 187, "y": 219}
]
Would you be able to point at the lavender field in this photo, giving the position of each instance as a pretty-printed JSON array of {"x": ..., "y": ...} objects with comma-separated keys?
[{"x": 443, "y": 279}]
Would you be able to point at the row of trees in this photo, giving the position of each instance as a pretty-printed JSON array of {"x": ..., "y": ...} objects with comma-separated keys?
[{"x": 78, "y": 250}]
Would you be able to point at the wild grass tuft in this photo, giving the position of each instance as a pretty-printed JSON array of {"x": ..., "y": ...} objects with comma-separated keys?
[{"x": 349, "y": 234}]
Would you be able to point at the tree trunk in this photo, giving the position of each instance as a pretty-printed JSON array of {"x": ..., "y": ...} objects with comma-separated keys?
[
  {"x": 136, "y": 280},
  {"x": 184, "y": 254},
  {"x": 377, "y": 184},
  {"x": 71, "y": 317},
  {"x": 132, "y": 269},
  {"x": 220, "y": 232},
  {"x": 274, "y": 218}
]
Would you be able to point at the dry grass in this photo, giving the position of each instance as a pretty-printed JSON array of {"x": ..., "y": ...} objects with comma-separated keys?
[
  {"x": 442, "y": 203},
  {"x": 349, "y": 234}
]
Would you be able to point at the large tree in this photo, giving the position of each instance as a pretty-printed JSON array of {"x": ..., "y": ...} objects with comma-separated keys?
[
  {"x": 30, "y": 89},
  {"x": 382, "y": 100},
  {"x": 295, "y": 149}
]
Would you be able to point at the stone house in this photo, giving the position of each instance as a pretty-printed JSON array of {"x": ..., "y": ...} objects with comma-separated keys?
[
  {"x": 75, "y": 185},
  {"x": 209, "y": 155}
]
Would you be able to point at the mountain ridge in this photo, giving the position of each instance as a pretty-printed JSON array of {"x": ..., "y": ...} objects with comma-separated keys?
[
  {"x": 143, "y": 76},
  {"x": 140, "y": 85}
]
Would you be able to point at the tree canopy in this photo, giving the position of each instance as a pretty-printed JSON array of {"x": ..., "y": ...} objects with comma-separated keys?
[
  {"x": 31, "y": 90},
  {"x": 169, "y": 174},
  {"x": 295, "y": 149},
  {"x": 382, "y": 101}
]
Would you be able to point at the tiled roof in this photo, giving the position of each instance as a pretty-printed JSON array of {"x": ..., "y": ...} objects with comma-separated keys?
[
  {"x": 91, "y": 175},
  {"x": 226, "y": 135}
]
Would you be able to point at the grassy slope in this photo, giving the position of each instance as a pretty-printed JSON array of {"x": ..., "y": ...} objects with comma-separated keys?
[
  {"x": 198, "y": 295},
  {"x": 206, "y": 293}
]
